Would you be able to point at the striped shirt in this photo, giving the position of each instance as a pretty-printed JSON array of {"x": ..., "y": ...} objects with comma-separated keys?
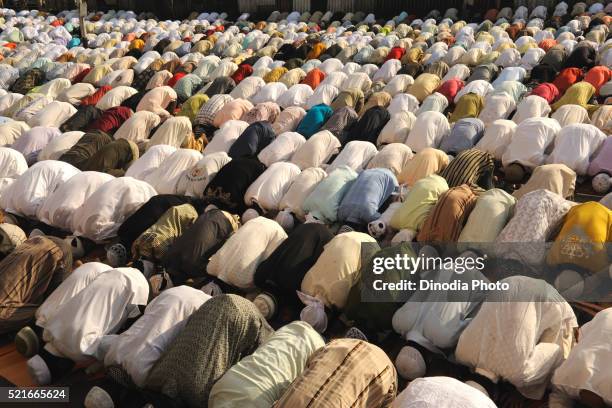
[
  {"x": 344, "y": 373},
  {"x": 469, "y": 167}
]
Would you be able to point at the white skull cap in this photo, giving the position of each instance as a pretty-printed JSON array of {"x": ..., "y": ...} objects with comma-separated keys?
[{"x": 410, "y": 363}]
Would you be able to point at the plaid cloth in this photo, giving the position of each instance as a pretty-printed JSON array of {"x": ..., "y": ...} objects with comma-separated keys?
[
  {"x": 345, "y": 373},
  {"x": 207, "y": 113}
]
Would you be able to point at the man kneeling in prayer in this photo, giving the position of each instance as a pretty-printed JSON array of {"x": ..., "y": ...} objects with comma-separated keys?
[
  {"x": 520, "y": 335},
  {"x": 76, "y": 319}
]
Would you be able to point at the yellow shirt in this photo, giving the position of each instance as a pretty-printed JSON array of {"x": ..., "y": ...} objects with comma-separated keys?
[{"x": 582, "y": 238}]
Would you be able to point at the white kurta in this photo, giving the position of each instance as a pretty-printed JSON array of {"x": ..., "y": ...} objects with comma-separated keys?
[
  {"x": 115, "y": 97},
  {"x": 270, "y": 187},
  {"x": 34, "y": 140},
  {"x": 269, "y": 93},
  {"x": 99, "y": 309},
  {"x": 78, "y": 280},
  {"x": 139, "y": 347},
  {"x": 587, "y": 367},
  {"x": 428, "y": 130},
  {"x": 398, "y": 84},
  {"x": 325, "y": 93},
  {"x": 12, "y": 163},
  {"x": 149, "y": 161},
  {"x": 575, "y": 145},
  {"x": 297, "y": 95},
  {"x": 317, "y": 150},
  {"x": 54, "y": 87},
  {"x": 356, "y": 155},
  {"x": 53, "y": 114},
  {"x": 138, "y": 127},
  {"x": 281, "y": 148},
  {"x": 498, "y": 105},
  {"x": 403, "y": 102},
  {"x": 397, "y": 128},
  {"x": 32, "y": 188},
  {"x": 497, "y": 136},
  {"x": 165, "y": 178},
  {"x": 393, "y": 156},
  {"x": 533, "y": 106},
  {"x": 357, "y": 80},
  {"x": 173, "y": 132},
  {"x": 255, "y": 241},
  {"x": 6, "y": 101},
  {"x": 11, "y": 131},
  {"x": 335, "y": 79},
  {"x": 225, "y": 137},
  {"x": 478, "y": 87},
  {"x": 441, "y": 392},
  {"x": 105, "y": 210},
  {"x": 521, "y": 336},
  {"x": 530, "y": 140},
  {"x": 194, "y": 180},
  {"x": 76, "y": 92},
  {"x": 570, "y": 114},
  {"x": 59, "y": 145},
  {"x": 301, "y": 188},
  {"x": 59, "y": 208},
  {"x": 247, "y": 88}
]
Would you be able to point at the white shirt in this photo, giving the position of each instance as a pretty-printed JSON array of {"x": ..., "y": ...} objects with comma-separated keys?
[
  {"x": 520, "y": 341},
  {"x": 270, "y": 187},
  {"x": 530, "y": 140},
  {"x": 356, "y": 155},
  {"x": 149, "y": 161},
  {"x": 225, "y": 137},
  {"x": 60, "y": 206},
  {"x": 99, "y": 309},
  {"x": 575, "y": 145},
  {"x": 105, "y": 210},
  {"x": 497, "y": 136},
  {"x": 533, "y": 106},
  {"x": 255, "y": 241},
  {"x": 12, "y": 163},
  {"x": 441, "y": 392},
  {"x": 32, "y": 188},
  {"x": 164, "y": 178},
  {"x": 585, "y": 368},
  {"x": 281, "y": 148},
  {"x": 428, "y": 131},
  {"x": 78, "y": 280},
  {"x": 139, "y": 347}
]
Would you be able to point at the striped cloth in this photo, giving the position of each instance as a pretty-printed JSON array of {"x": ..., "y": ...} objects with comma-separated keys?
[
  {"x": 446, "y": 220},
  {"x": 29, "y": 274},
  {"x": 472, "y": 167},
  {"x": 345, "y": 373}
]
